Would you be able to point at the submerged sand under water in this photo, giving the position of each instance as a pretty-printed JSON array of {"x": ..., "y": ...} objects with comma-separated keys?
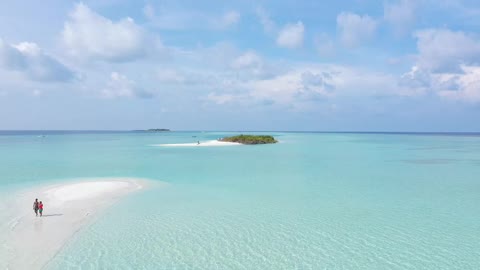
[{"x": 199, "y": 144}]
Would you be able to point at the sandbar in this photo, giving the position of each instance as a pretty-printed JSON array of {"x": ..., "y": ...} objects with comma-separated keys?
[
  {"x": 33, "y": 241},
  {"x": 201, "y": 144}
]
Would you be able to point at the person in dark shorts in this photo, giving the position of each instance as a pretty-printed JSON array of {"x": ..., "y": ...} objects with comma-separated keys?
[
  {"x": 35, "y": 207},
  {"x": 40, "y": 208}
]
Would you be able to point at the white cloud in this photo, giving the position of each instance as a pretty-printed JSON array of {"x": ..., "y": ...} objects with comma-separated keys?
[
  {"x": 88, "y": 34},
  {"x": 120, "y": 86},
  {"x": 246, "y": 78},
  {"x": 32, "y": 62},
  {"x": 224, "y": 60},
  {"x": 442, "y": 50},
  {"x": 447, "y": 64},
  {"x": 350, "y": 81},
  {"x": 400, "y": 15},
  {"x": 291, "y": 35},
  {"x": 318, "y": 79},
  {"x": 416, "y": 78},
  {"x": 465, "y": 87},
  {"x": 290, "y": 89},
  {"x": 249, "y": 65},
  {"x": 355, "y": 29},
  {"x": 305, "y": 86},
  {"x": 248, "y": 59}
]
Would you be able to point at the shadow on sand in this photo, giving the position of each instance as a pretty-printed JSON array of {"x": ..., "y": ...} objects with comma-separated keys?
[{"x": 52, "y": 215}]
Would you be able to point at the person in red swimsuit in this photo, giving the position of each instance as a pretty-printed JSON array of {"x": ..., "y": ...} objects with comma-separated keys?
[{"x": 40, "y": 207}]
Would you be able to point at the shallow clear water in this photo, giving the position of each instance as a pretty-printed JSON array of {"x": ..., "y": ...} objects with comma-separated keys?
[{"x": 314, "y": 201}]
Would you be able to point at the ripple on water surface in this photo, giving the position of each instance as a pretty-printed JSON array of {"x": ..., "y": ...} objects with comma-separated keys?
[{"x": 271, "y": 235}]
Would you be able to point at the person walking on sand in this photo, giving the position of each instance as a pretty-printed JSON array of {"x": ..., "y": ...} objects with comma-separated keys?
[
  {"x": 35, "y": 207},
  {"x": 40, "y": 208}
]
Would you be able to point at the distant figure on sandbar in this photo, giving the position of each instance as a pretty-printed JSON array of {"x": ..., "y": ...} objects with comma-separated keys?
[
  {"x": 40, "y": 208},
  {"x": 198, "y": 142},
  {"x": 35, "y": 207}
]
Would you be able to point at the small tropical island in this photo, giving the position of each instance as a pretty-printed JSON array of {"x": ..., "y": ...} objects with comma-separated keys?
[{"x": 250, "y": 139}]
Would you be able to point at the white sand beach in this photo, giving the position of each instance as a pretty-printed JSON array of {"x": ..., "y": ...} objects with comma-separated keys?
[
  {"x": 33, "y": 241},
  {"x": 202, "y": 144}
]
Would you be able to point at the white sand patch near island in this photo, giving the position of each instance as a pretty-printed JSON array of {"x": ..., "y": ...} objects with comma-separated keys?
[
  {"x": 201, "y": 144},
  {"x": 68, "y": 207}
]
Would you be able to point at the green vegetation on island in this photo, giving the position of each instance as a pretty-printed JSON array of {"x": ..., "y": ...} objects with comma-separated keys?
[{"x": 250, "y": 139}]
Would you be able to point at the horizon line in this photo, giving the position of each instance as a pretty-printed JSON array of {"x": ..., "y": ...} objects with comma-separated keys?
[{"x": 187, "y": 130}]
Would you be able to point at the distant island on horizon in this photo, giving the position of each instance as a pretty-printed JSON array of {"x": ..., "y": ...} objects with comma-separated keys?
[{"x": 155, "y": 130}]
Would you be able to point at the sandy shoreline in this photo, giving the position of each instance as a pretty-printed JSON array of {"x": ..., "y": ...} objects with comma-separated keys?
[
  {"x": 202, "y": 144},
  {"x": 33, "y": 241}
]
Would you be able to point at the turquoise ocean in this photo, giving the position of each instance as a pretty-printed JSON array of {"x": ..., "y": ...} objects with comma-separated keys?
[{"x": 312, "y": 201}]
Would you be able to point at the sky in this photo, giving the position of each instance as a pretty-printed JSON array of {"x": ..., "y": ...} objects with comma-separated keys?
[{"x": 357, "y": 65}]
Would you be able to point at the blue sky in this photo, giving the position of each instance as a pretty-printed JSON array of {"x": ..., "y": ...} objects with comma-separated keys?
[{"x": 393, "y": 65}]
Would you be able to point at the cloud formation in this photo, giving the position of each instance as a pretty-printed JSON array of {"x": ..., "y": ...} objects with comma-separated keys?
[
  {"x": 88, "y": 34},
  {"x": 291, "y": 35},
  {"x": 120, "y": 86},
  {"x": 230, "y": 56},
  {"x": 31, "y": 61},
  {"x": 447, "y": 64},
  {"x": 290, "y": 89},
  {"x": 355, "y": 29},
  {"x": 416, "y": 78},
  {"x": 464, "y": 87},
  {"x": 443, "y": 50},
  {"x": 248, "y": 59}
]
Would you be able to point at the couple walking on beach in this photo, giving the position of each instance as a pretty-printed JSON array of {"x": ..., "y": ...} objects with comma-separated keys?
[{"x": 38, "y": 207}]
